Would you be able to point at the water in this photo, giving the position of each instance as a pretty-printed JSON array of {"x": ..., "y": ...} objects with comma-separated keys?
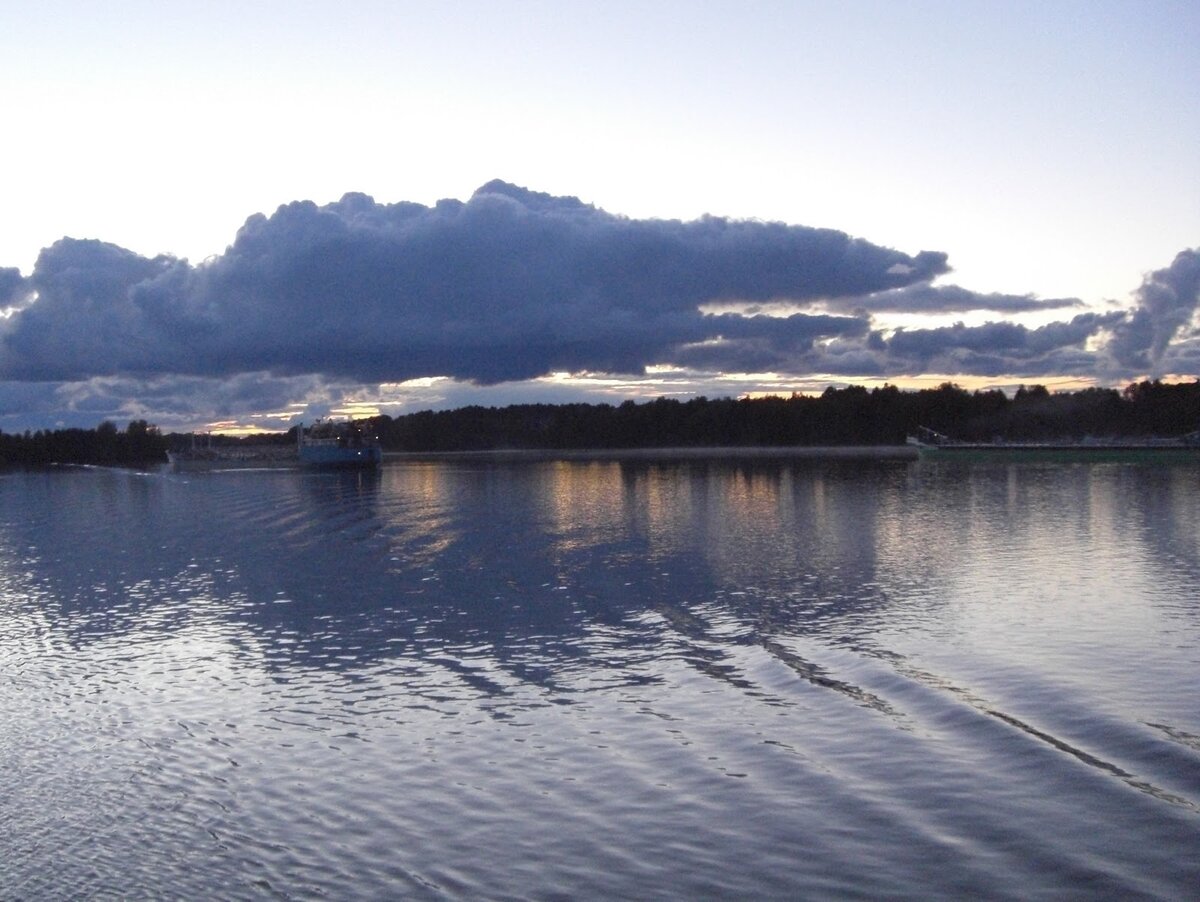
[{"x": 692, "y": 679}]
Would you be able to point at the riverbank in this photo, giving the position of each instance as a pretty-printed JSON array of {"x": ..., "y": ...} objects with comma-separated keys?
[{"x": 847, "y": 452}]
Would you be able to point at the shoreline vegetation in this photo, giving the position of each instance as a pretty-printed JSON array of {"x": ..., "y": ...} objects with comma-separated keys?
[
  {"x": 838, "y": 422},
  {"x": 139, "y": 444}
]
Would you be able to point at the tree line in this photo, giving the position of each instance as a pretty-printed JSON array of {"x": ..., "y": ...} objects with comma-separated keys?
[
  {"x": 839, "y": 416},
  {"x": 138, "y": 444}
]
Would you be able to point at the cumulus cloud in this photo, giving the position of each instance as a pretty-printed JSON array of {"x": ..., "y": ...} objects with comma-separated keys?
[
  {"x": 511, "y": 284},
  {"x": 1166, "y": 302},
  {"x": 85, "y": 321}
]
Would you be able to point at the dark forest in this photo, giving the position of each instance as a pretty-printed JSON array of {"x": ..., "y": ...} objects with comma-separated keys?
[
  {"x": 138, "y": 444},
  {"x": 838, "y": 416}
]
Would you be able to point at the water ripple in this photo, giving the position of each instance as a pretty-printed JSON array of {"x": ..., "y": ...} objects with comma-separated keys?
[{"x": 600, "y": 680}]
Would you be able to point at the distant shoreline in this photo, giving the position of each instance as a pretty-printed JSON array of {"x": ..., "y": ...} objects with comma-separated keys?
[{"x": 536, "y": 455}]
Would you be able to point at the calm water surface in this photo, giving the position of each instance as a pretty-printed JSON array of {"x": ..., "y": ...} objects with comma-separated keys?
[{"x": 602, "y": 680}]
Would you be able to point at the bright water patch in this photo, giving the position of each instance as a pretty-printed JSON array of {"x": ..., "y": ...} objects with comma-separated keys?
[{"x": 602, "y": 679}]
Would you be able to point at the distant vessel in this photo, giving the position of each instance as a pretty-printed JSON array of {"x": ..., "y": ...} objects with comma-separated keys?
[
  {"x": 338, "y": 443},
  {"x": 934, "y": 444}
]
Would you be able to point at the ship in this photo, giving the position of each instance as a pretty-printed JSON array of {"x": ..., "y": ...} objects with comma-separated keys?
[
  {"x": 929, "y": 443},
  {"x": 338, "y": 443}
]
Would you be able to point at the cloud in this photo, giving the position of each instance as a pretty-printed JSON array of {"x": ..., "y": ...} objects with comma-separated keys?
[
  {"x": 314, "y": 302},
  {"x": 1181, "y": 358},
  {"x": 1166, "y": 302},
  {"x": 85, "y": 321},
  {"x": 1011, "y": 338},
  {"x": 13, "y": 291},
  {"x": 512, "y": 284},
  {"x": 925, "y": 298},
  {"x": 763, "y": 344},
  {"x": 173, "y": 401},
  {"x": 1000, "y": 347}
]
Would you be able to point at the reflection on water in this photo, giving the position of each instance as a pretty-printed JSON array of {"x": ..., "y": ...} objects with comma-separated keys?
[{"x": 637, "y": 679}]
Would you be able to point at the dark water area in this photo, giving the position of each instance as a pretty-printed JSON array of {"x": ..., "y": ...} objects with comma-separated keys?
[{"x": 602, "y": 679}]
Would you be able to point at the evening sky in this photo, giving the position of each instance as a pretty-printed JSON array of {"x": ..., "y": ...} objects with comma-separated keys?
[{"x": 253, "y": 212}]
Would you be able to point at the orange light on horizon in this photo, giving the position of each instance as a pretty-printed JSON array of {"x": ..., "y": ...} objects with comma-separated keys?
[
  {"x": 1008, "y": 384},
  {"x": 356, "y": 410}
]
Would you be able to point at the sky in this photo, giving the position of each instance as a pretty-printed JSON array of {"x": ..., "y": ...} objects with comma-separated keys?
[{"x": 240, "y": 215}]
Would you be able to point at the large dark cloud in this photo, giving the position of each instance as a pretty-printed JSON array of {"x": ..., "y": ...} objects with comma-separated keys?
[{"x": 509, "y": 285}]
